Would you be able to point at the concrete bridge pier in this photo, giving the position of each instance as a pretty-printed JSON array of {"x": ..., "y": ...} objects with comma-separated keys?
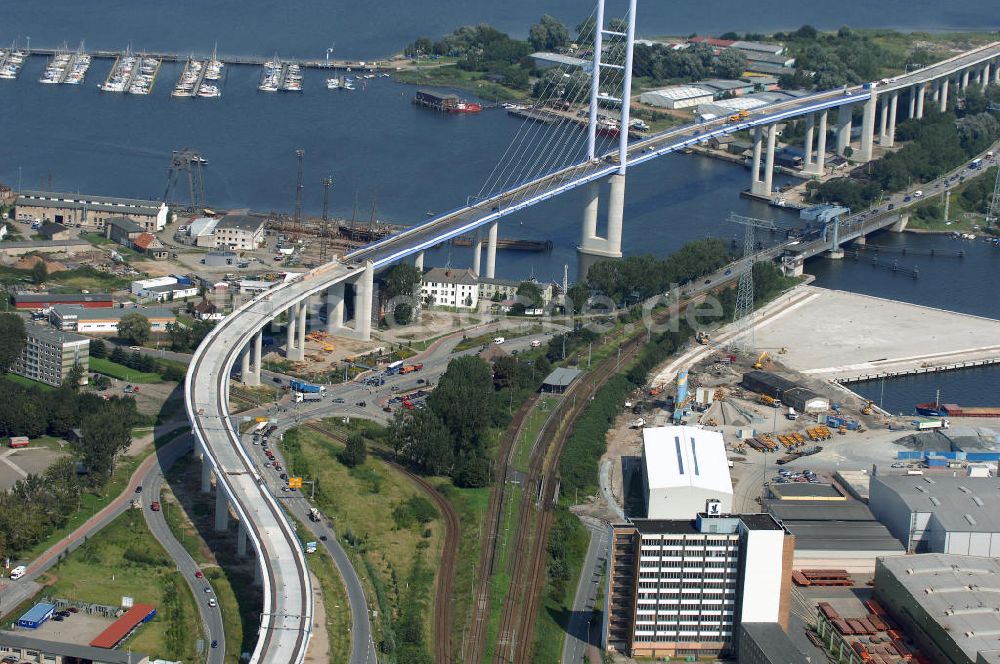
[
  {"x": 984, "y": 79},
  {"x": 300, "y": 330},
  {"x": 807, "y": 163},
  {"x": 868, "y": 128},
  {"x": 245, "y": 365},
  {"x": 256, "y": 360},
  {"x": 965, "y": 81},
  {"x": 364, "y": 289},
  {"x": 900, "y": 225},
  {"x": 221, "y": 508},
  {"x": 944, "y": 95},
  {"x": 477, "y": 254},
  {"x": 883, "y": 121},
  {"x": 418, "y": 261},
  {"x": 888, "y": 137},
  {"x": 860, "y": 240},
  {"x": 491, "y": 250},
  {"x": 913, "y": 103},
  {"x": 593, "y": 247},
  {"x": 758, "y": 140},
  {"x": 921, "y": 91},
  {"x": 335, "y": 308},
  {"x": 258, "y": 578},
  {"x": 844, "y": 122},
  {"x": 206, "y": 475},
  {"x": 292, "y": 314},
  {"x": 758, "y": 186},
  {"x": 241, "y": 542}
]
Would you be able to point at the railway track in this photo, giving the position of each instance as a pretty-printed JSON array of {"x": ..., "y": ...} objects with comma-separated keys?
[{"x": 449, "y": 552}]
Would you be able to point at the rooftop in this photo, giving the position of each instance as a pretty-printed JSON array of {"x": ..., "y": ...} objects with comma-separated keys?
[
  {"x": 818, "y": 510},
  {"x": 446, "y": 275},
  {"x": 83, "y": 653},
  {"x": 52, "y": 336},
  {"x": 807, "y": 491},
  {"x": 562, "y": 377},
  {"x": 958, "y": 592},
  {"x": 69, "y": 200},
  {"x": 725, "y": 84},
  {"x": 62, "y": 297},
  {"x": 567, "y": 60},
  {"x": 870, "y": 536},
  {"x": 241, "y": 222},
  {"x": 763, "y": 47},
  {"x": 126, "y": 225},
  {"x": 678, "y": 456},
  {"x": 697, "y": 526},
  {"x": 678, "y": 92},
  {"x": 961, "y": 504},
  {"x": 37, "y": 612},
  {"x": 80, "y": 313},
  {"x": 774, "y": 642}
]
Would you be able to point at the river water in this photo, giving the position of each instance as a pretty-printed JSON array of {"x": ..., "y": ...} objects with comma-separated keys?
[{"x": 405, "y": 161}]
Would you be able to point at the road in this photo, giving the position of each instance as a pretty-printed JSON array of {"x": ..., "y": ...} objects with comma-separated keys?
[
  {"x": 151, "y": 481},
  {"x": 580, "y": 632},
  {"x": 148, "y": 475}
]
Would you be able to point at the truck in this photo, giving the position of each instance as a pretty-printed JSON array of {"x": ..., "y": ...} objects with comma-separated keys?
[
  {"x": 410, "y": 368},
  {"x": 314, "y": 514},
  {"x": 927, "y": 423},
  {"x": 310, "y": 547},
  {"x": 307, "y": 397},
  {"x": 18, "y": 441},
  {"x": 17, "y": 572},
  {"x": 301, "y": 386},
  {"x": 791, "y": 414}
]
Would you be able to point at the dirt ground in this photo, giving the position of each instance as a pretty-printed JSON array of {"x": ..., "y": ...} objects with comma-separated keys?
[{"x": 79, "y": 628}]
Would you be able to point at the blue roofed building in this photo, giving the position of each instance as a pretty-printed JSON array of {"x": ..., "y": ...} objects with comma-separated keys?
[{"x": 36, "y": 615}]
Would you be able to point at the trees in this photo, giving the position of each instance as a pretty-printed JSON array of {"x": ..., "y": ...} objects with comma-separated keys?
[
  {"x": 98, "y": 348},
  {"x": 134, "y": 327},
  {"x": 12, "y": 339},
  {"x": 548, "y": 34},
  {"x": 530, "y": 294},
  {"x": 421, "y": 439},
  {"x": 402, "y": 281},
  {"x": 355, "y": 453},
  {"x": 729, "y": 64},
  {"x": 106, "y": 434},
  {"x": 39, "y": 272},
  {"x": 73, "y": 378}
]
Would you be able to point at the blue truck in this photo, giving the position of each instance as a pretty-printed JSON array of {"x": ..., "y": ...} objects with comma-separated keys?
[{"x": 304, "y": 387}]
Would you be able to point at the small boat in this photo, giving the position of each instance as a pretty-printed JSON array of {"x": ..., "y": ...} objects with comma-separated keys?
[{"x": 333, "y": 83}]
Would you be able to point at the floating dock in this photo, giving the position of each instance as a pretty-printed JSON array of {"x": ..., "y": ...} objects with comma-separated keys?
[
  {"x": 11, "y": 60},
  {"x": 67, "y": 68},
  {"x": 132, "y": 74},
  {"x": 199, "y": 79},
  {"x": 280, "y": 76}
]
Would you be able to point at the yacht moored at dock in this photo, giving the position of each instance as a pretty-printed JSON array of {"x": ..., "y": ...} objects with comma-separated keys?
[
  {"x": 11, "y": 60},
  {"x": 192, "y": 82},
  {"x": 67, "y": 68}
]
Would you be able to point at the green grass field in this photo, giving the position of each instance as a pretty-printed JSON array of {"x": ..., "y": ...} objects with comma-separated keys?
[
  {"x": 27, "y": 382},
  {"x": 123, "y": 560},
  {"x": 121, "y": 372}
]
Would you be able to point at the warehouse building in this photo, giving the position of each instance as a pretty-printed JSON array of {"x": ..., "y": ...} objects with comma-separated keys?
[
  {"x": 105, "y": 321},
  {"x": 683, "y": 470},
  {"x": 122, "y": 230},
  {"x": 800, "y": 398},
  {"x": 946, "y": 603},
  {"x": 51, "y": 231},
  {"x": 767, "y": 643},
  {"x": 677, "y": 96},
  {"x": 834, "y": 534},
  {"x": 36, "y": 615},
  {"x": 163, "y": 289},
  {"x": 941, "y": 514},
  {"x": 758, "y": 48},
  {"x": 544, "y": 60},
  {"x": 239, "y": 232},
  {"x": 49, "y": 355},
  {"x": 33, "y": 301},
  {"x": 90, "y": 212},
  {"x": 682, "y": 587},
  {"x": 722, "y": 87},
  {"x": 28, "y": 649}
]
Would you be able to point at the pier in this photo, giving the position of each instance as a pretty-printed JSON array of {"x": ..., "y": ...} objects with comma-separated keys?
[
  {"x": 66, "y": 68},
  {"x": 916, "y": 371},
  {"x": 11, "y": 60},
  {"x": 192, "y": 82}
]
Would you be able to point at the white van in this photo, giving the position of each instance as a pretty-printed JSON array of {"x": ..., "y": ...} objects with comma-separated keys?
[
  {"x": 498, "y": 340},
  {"x": 918, "y": 193},
  {"x": 535, "y": 343},
  {"x": 17, "y": 572}
]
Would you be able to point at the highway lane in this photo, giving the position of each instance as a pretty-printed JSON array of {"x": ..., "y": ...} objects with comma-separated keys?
[
  {"x": 581, "y": 631},
  {"x": 211, "y": 617}
]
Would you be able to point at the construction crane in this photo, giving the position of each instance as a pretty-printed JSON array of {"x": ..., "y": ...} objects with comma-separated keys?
[
  {"x": 324, "y": 243},
  {"x": 743, "y": 340},
  {"x": 297, "y": 219},
  {"x": 186, "y": 163}
]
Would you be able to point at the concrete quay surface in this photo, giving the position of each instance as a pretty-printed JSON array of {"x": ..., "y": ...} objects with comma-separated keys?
[{"x": 838, "y": 335}]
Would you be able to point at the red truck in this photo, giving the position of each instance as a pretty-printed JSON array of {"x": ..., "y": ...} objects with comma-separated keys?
[
  {"x": 18, "y": 441},
  {"x": 410, "y": 368}
]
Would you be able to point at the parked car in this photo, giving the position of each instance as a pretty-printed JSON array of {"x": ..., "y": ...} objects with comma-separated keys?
[{"x": 155, "y": 506}]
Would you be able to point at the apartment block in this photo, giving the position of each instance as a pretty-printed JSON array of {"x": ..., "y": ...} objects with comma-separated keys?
[{"x": 49, "y": 355}]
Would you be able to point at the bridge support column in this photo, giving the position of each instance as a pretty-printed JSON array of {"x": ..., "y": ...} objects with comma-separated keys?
[
  {"x": 256, "y": 359},
  {"x": 844, "y": 122},
  {"x": 985, "y": 78},
  {"x": 996, "y": 73},
  {"x": 300, "y": 329},
  {"x": 292, "y": 314},
  {"x": 363, "y": 291},
  {"x": 335, "y": 308},
  {"x": 820, "y": 165},
  {"x": 868, "y": 128},
  {"x": 756, "y": 184},
  {"x": 616, "y": 214},
  {"x": 965, "y": 81},
  {"x": 491, "y": 250},
  {"x": 241, "y": 542},
  {"x": 860, "y": 240},
  {"x": 808, "y": 147},
  {"x": 418, "y": 261},
  {"x": 258, "y": 577},
  {"x": 913, "y": 103},
  {"x": 477, "y": 254},
  {"x": 888, "y": 138},
  {"x": 206, "y": 475},
  {"x": 772, "y": 135},
  {"x": 900, "y": 225},
  {"x": 590, "y": 214},
  {"x": 921, "y": 91},
  {"x": 221, "y": 508},
  {"x": 944, "y": 95},
  {"x": 245, "y": 366},
  {"x": 883, "y": 122}
]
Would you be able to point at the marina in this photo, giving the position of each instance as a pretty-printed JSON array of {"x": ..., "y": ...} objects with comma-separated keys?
[
  {"x": 132, "y": 74},
  {"x": 67, "y": 68},
  {"x": 280, "y": 76},
  {"x": 200, "y": 78},
  {"x": 11, "y": 60}
]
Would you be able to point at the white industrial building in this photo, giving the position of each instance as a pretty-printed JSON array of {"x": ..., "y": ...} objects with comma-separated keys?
[
  {"x": 448, "y": 287},
  {"x": 682, "y": 587},
  {"x": 683, "y": 470},
  {"x": 162, "y": 289},
  {"x": 677, "y": 96},
  {"x": 939, "y": 514},
  {"x": 105, "y": 320},
  {"x": 544, "y": 60},
  {"x": 946, "y": 603},
  {"x": 90, "y": 212},
  {"x": 234, "y": 232}
]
